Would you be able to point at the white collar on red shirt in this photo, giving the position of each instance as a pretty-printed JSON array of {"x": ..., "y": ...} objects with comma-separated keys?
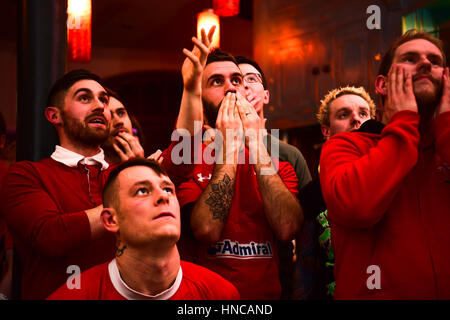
[
  {"x": 124, "y": 290},
  {"x": 71, "y": 159}
]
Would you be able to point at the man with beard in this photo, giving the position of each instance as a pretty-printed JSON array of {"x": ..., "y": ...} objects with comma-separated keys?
[
  {"x": 53, "y": 206},
  {"x": 121, "y": 143},
  {"x": 236, "y": 205},
  {"x": 387, "y": 192}
]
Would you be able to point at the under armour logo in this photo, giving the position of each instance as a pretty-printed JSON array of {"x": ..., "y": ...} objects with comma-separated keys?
[{"x": 201, "y": 178}]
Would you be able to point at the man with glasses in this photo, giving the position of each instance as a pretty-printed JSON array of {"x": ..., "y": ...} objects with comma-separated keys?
[{"x": 258, "y": 95}]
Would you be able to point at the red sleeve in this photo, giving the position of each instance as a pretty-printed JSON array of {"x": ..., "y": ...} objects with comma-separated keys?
[
  {"x": 179, "y": 158},
  {"x": 360, "y": 175},
  {"x": 188, "y": 192},
  {"x": 31, "y": 214},
  {"x": 289, "y": 177},
  {"x": 443, "y": 135}
]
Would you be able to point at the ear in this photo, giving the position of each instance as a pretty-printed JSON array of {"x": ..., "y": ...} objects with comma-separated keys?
[
  {"x": 109, "y": 219},
  {"x": 381, "y": 85},
  {"x": 53, "y": 114},
  {"x": 266, "y": 97},
  {"x": 325, "y": 131}
]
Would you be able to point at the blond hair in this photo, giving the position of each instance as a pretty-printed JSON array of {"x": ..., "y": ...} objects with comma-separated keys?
[{"x": 324, "y": 110}]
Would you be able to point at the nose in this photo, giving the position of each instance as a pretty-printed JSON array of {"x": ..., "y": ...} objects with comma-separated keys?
[
  {"x": 356, "y": 120},
  {"x": 424, "y": 64},
  {"x": 162, "y": 197},
  {"x": 116, "y": 120}
]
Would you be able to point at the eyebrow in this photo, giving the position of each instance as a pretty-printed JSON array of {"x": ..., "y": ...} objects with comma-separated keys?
[
  {"x": 120, "y": 109},
  {"x": 167, "y": 183},
  {"x": 348, "y": 108},
  {"x": 432, "y": 55},
  {"x": 218, "y": 75},
  {"x": 254, "y": 73},
  {"x": 102, "y": 93},
  {"x": 147, "y": 183},
  {"x": 82, "y": 90}
]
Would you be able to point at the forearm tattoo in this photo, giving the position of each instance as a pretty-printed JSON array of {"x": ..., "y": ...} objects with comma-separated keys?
[
  {"x": 120, "y": 249},
  {"x": 220, "y": 198}
]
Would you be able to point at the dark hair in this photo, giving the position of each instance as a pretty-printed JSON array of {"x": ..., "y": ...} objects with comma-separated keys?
[
  {"x": 412, "y": 34},
  {"x": 109, "y": 196},
  {"x": 137, "y": 129},
  {"x": 60, "y": 87},
  {"x": 242, "y": 59},
  {"x": 219, "y": 55},
  {"x": 112, "y": 93}
]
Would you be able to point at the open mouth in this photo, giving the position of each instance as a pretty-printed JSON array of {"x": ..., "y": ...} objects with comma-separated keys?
[{"x": 98, "y": 121}]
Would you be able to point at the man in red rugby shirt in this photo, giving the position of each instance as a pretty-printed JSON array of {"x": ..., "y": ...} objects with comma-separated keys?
[{"x": 142, "y": 210}]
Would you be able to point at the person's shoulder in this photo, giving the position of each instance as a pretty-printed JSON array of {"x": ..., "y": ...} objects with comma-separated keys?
[
  {"x": 194, "y": 271},
  {"x": 370, "y": 130},
  {"x": 88, "y": 288},
  {"x": 35, "y": 168},
  {"x": 213, "y": 285}
]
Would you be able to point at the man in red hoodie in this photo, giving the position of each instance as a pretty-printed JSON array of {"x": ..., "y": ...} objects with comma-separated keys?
[{"x": 387, "y": 192}]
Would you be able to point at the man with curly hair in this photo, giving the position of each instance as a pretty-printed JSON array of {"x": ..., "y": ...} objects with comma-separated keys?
[
  {"x": 345, "y": 109},
  {"x": 342, "y": 110}
]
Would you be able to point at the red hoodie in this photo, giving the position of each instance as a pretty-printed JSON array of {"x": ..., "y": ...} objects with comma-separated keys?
[{"x": 388, "y": 200}]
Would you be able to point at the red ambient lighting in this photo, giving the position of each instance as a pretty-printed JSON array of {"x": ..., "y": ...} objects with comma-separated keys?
[
  {"x": 79, "y": 16},
  {"x": 226, "y": 8}
]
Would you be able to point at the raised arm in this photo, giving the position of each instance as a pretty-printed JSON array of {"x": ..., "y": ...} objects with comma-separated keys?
[
  {"x": 443, "y": 119},
  {"x": 283, "y": 212},
  {"x": 191, "y": 102}
]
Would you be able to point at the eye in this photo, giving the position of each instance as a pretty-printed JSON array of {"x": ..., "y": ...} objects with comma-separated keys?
[
  {"x": 410, "y": 59},
  {"x": 342, "y": 115},
  {"x": 142, "y": 191},
  {"x": 169, "y": 190},
  {"x": 436, "y": 62},
  {"x": 364, "y": 114},
  {"x": 251, "y": 79},
  {"x": 121, "y": 113},
  {"x": 217, "y": 82},
  {"x": 104, "y": 99},
  {"x": 236, "y": 80},
  {"x": 84, "y": 98}
]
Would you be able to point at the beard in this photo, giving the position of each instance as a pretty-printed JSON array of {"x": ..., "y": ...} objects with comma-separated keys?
[
  {"x": 211, "y": 111},
  {"x": 81, "y": 133},
  {"x": 427, "y": 101}
]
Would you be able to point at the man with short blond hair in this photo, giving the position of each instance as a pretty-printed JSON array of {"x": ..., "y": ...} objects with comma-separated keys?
[{"x": 345, "y": 109}]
